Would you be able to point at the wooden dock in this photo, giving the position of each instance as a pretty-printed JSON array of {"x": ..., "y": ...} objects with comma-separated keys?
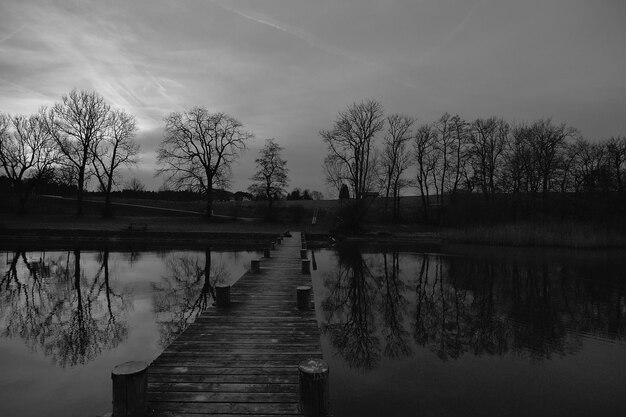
[{"x": 242, "y": 360}]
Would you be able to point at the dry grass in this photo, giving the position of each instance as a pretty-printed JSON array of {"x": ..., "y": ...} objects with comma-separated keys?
[{"x": 563, "y": 234}]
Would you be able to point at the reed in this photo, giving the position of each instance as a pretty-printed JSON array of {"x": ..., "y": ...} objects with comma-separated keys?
[{"x": 559, "y": 234}]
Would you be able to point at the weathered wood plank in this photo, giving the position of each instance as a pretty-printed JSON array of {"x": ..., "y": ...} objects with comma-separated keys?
[{"x": 241, "y": 360}]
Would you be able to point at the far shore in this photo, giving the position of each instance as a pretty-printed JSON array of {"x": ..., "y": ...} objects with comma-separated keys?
[{"x": 195, "y": 232}]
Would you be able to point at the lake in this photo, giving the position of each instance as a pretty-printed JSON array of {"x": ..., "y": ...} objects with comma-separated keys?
[
  {"x": 462, "y": 332},
  {"x": 475, "y": 332},
  {"x": 68, "y": 317}
]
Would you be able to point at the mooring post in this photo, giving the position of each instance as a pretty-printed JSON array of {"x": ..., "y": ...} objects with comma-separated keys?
[
  {"x": 303, "y": 254},
  {"x": 306, "y": 266},
  {"x": 304, "y": 297},
  {"x": 314, "y": 381},
  {"x": 266, "y": 252},
  {"x": 222, "y": 295},
  {"x": 130, "y": 389},
  {"x": 255, "y": 265}
]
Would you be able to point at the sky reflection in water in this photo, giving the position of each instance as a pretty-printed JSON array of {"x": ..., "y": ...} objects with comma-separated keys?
[
  {"x": 67, "y": 318},
  {"x": 410, "y": 333}
]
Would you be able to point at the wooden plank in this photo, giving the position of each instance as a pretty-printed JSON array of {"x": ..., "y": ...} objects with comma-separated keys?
[
  {"x": 206, "y": 408},
  {"x": 241, "y": 360}
]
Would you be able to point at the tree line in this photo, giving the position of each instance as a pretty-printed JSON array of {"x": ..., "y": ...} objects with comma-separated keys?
[
  {"x": 82, "y": 138},
  {"x": 79, "y": 138},
  {"x": 450, "y": 156}
]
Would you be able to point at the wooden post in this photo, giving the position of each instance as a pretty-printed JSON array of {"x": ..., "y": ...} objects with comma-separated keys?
[
  {"x": 314, "y": 379},
  {"x": 304, "y": 297},
  {"x": 130, "y": 389},
  {"x": 303, "y": 254},
  {"x": 306, "y": 266},
  {"x": 273, "y": 245},
  {"x": 303, "y": 245},
  {"x": 255, "y": 265},
  {"x": 222, "y": 295},
  {"x": 279, "y": 240},
  {"x": 266, "y": 252}
]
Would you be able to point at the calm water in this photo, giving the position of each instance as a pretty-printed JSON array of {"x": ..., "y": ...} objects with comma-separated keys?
[
  {"x": 67, "y": 318},
  {"x": 504, "y": 333},
  {"x": 486, "y": 333}
]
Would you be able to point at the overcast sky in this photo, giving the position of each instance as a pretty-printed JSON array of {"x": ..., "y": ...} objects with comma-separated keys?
[{"x": 284, "y": 68}]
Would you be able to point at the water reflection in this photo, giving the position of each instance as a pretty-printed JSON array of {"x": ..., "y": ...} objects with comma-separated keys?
[
  {"x": 388, "y": 304},
  {"x": 185, "y": 291},
  {"x": 56, "y": 306}
]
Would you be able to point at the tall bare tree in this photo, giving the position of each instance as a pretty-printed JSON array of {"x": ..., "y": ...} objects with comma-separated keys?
[
  {"x": 351, "y": 154},
  {"x": 616, "y": 147},
  {"x": 270, "y": 178},
  {"x": 116, "y": 148},
  {"x": 198, "y": 150},
  {"x": 548, "y": 143},
  {"x": 27, "y": 153},
  {"x": 425, "y": 160},
  {"x": 488, "y": 139},
  {"x": 76, "y": 124},
  {"x": 395, "y": 159}
]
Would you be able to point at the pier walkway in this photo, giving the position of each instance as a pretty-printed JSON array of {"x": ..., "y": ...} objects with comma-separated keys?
[{"x": 242, "y": 360}]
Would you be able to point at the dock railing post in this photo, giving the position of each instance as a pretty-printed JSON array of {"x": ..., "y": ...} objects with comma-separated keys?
[
  {"x": 314, "y": 388},
  {"x": 306, "y": 266},
  {"x": 222, "y": 295},
  {"x": 304, "y": 297},
  {"x": 255, "y": 266},
  {"x": 130, "y": 389}
]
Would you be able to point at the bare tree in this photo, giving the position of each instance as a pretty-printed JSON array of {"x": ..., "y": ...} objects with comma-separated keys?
[
  {"x": 135, "y": 185},
  {"x": 548, "y": 143},
  {"x": 395, "y": 159},
  {"x": 116, "y": 148},
  {"x": 425, "y": 159},
  {"x": 616, "y": 147},
  {"x": 198, "y": 150},
  {"x": 270, "y": 178},
  {"x": 27, "y": 153},
  {"x": 77, "y": 123},
  {"x": 351, "y": 150},
  {"x": 488, "y": 139}
]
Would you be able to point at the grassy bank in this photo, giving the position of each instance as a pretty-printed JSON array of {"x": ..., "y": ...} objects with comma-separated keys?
[{"x": 559, "y": 234}]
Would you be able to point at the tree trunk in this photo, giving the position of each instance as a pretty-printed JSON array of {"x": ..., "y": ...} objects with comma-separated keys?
[
  {"x": 79, "y": 196},
  {"x": 209, "y": 202},
  {"x": 107, "y": 198}
]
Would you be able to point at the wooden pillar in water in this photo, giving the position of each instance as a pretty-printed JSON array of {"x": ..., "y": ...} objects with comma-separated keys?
[
  {"x": 306, "y": 266},
  {"x": 130, "y": 389},
  {"x": 266, "y": 252},
  {"x": 304, "y": 297},
  {"x": 222, "y": 295},
  {"x": 314, "y": 389},
  {"x": 255, "y": 265}
]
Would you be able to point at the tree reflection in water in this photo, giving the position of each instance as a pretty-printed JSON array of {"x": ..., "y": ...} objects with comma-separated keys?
[
  {"x": 58, "y": 307},
  {"x": 456, "y": 306},
  {"x": 185, "y": 292}
]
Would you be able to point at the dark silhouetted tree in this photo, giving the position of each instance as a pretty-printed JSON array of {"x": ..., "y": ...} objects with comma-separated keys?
[
  {"x": 198, "y": 150},
  {"x": 115, "y": 149},
  {"x": 77, "y": 124},
  {"x": 27, "y": 154},
  {"x": 270, "y": 178}
]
